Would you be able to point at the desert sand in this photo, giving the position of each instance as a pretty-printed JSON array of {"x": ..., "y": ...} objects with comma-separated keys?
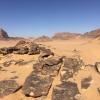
[{"x": 87, "y": 49}]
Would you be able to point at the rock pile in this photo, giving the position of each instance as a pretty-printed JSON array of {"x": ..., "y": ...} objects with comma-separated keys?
[
  {"x": 48, "y": 66},
  {"x": 23, "y": 47},
  {"x": 38, "y": 83}
]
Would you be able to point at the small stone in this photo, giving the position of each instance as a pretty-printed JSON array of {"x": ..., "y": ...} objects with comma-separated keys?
[
  {"x": 86, "y": 82},
  {"x": 97, "y": 65}
]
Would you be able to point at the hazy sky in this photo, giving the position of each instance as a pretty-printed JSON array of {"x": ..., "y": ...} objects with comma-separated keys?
[{"x": 38, "y": 17}]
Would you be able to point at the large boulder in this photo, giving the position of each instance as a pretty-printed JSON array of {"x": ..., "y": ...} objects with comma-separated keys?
[
  {"x": 3, "y": 34},
  {"x": 65, "y": 91},
  {"x": 8, "y": 87}
]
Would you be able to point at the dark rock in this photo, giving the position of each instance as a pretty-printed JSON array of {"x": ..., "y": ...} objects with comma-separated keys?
[
  {"x": 8, "y": 87},
  {"x": 86, "y": 82},
  {"x": 33, "y": 49},
  {"x": 7, "y": 50},
  {"x": 53, "y": 61},
  {"x": 71, "y": 66},
  {"x": 45, "y": 53},
  {"x": 97, "y": 65},
  {"x": 49, "y": 66},
  {"x": 65, "y": 91},
  {"x": 3, "y": 34},
  {"x": 99, "y": 90},
  {"x": 22, "y": 50},
  {"x": 37, "y": 85}
]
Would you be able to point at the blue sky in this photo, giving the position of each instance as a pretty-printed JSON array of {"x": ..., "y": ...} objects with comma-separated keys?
[{"x": 45, "y": 17}]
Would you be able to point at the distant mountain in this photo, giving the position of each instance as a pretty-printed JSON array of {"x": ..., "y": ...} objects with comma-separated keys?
[
  {"x": 65, "y": 35},
  {"x": 92, "y": 34},
  {"x": 3, "y": 34},
  {"x": 42, "y": 39}
]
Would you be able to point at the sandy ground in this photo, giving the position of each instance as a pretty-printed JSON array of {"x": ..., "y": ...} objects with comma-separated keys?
[{"x": 87, "y": 49}]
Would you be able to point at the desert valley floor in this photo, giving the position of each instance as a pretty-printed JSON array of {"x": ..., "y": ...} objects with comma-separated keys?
[{"x": 88, "y": 50}]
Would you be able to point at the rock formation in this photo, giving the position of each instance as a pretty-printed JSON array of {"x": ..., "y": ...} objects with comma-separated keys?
[
  {"x": 3, "y": 34},
  {"x": 92, "y": 34},
  {"x": 65, "y": 35}
]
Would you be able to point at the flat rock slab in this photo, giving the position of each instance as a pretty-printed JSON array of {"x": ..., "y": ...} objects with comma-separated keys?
[
  {"x": 37, "y": 85},
  {"x": 65, "y": 91},
  {"x": 8, "y": 87}
]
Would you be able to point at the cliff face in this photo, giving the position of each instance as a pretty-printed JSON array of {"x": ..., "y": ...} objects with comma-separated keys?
[{"x": 3, "y": 34}]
